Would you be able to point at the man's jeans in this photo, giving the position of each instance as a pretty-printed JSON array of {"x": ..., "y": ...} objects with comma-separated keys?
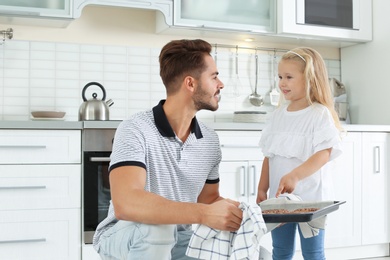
[{"x": 130, "y": 240}]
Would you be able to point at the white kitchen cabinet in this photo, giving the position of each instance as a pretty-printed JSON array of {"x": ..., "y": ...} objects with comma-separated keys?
[
  {"x": 40, "y": 184},
  {"x": 241, "y": 164},
  {"x": 289, "y": 24},
  {"x": 239, "y": 180},
  {"x": 42, "y": 8},
  {"x": 375, "y": 188},
  {"x": 233, "y": 15},
  {"x": 40, "y": 234},
  {"x": 343, "y": 227},
  {"x": 165, "y": 7}
]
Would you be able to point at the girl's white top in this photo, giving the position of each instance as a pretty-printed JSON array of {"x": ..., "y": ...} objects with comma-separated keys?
[{"x": 290, "y": 138}]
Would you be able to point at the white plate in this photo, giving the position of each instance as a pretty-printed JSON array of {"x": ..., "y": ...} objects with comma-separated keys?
[
  {"x": 48, "y": 114},
  {"x": 47, "y": 119}
]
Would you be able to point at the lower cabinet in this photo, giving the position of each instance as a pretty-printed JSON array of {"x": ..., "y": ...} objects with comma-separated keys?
[
  {"x": 40, "y": 234},
  {"x": 40, "y": 191},
  {"x": 239, "y": 180}
]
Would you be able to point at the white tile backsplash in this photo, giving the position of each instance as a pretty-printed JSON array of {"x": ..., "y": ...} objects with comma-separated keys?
[{"x": 51, "y": 76}]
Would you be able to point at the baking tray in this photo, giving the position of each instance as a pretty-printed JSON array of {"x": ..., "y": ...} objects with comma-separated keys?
[{"x": 302, "y": 217}]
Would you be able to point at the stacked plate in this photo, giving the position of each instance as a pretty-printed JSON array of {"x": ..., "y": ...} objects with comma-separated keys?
[
  {"x": 250, "y": 116},
  {"x": 47, "y": 115}
]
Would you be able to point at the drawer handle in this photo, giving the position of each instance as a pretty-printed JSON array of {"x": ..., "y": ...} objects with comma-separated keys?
[
  {"x": 377, "y": 159},
  {"x": 100, "y": 159},
  {"x": 238, "y": 146},
  {"x": 24, "y": 146},
  {"x": 23, "y": 187},
  {"x": 33, "y": 240}
]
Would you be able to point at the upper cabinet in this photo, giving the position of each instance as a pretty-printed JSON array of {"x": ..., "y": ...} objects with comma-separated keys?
[
  {"x": 234, "y": 15},
  {"x": 347, "y": 20},
  {"x": 165, "y": 7},
  {"x": 59, "y": 12},
  {"x": 52, "y": 8}
]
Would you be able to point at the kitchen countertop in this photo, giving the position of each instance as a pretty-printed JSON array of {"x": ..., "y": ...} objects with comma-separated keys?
[{"x": 223, "y": 126}]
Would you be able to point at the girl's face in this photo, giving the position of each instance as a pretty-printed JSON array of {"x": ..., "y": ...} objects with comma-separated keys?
[{"x": 292, "y": 81}]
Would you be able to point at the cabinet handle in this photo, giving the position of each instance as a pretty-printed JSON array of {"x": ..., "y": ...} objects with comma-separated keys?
[
  {"x": 238, "y": 146},
  {"x": 219, "y": 28},
  {"x": 253, "y": 172},
  {"x": 100, "y": 159},
  {"x": 23, "y": 241},
  {"x": 377, "y": 159},
  {"x": 24, "y": 146},
  {"x": 23, "y": 187},
  {"x": 242, "y": 181}
]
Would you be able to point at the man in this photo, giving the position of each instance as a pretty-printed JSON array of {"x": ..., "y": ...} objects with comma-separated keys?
[{"x": 164, "y": 165}]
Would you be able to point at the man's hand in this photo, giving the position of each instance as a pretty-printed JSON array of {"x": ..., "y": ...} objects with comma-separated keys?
[{"x": 223, "y": 215}]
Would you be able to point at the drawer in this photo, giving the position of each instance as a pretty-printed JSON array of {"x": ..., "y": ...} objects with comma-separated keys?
[
  {"x": 40, "y": 234},
  {"x": 40, "y": 186},
  {"x": 240, "y": 145},
  {"x": 40, "y": 146}
]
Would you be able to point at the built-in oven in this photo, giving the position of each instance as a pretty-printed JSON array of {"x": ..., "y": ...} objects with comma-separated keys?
[{"x": 97, "y": 147}]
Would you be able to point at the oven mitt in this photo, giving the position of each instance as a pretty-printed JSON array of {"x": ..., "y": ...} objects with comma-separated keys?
[{"x": 309, "y": 229}]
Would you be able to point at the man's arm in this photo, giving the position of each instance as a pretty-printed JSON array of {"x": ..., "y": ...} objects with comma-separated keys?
[{"x": 131, "y": 202}]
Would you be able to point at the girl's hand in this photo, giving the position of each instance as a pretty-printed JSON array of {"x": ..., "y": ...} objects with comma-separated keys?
[
  {"x": 287, "y": 184},
  {"x": 261, "y": 196}
]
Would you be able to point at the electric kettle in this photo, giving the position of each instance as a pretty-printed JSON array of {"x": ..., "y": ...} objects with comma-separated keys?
[{"x": 95, "y": 109}]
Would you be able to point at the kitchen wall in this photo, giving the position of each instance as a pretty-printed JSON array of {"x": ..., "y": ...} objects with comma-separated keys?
[
  {"x": 45, "y": 68},
  {"x": 364, "y": 70}
]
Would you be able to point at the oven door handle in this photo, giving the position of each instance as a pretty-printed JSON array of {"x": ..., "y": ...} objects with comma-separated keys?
[{"x": 99, "y": 159}]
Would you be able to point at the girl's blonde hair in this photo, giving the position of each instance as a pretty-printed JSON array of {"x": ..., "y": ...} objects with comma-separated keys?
[{"x": 316, "y": 75}]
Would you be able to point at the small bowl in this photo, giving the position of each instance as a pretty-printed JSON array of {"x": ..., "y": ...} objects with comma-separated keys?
[{"x": 48, "y": 114}]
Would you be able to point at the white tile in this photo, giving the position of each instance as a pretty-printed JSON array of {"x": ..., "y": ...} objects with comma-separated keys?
[
  {"x": 91, "y": 57},
  {"x": 42, "y": 102},
  {"x": 42, "y": 83},
  {"x": 44, "y": 74},
  {"x": 109, "y": 58},
  {"x": 16, "y": 82},
  {"x": 67, "y": 47},
  {"x": 115, "y": 50},
  {"x": 42, "y": 55},
  {"x": 67, "y": 56},
  {"x": 16, "y": 64},
  {"x": 120, "y": 68},
  {"x": 42, "y": 92},
  {"x": 67, "y": 65},
  {"x": 67, "y": 74},
  {"x": 44, "y": 46},
  {"x": 91, "y": 76},
  {"x": 16, "y": 73},
  {"x": 16, "y": 54},
  {"x": 91, "y": 66},
  {"x": 91, "y": 49},
  {"x": 42, "y": 64}
]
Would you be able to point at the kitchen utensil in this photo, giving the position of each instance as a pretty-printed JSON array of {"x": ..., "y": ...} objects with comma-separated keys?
[
  {"x": 254, "y": 98},
  {"x": 234, "y": 83},
  {"x": 274, "y": 94},
  {"x": 94, "y": 109}
]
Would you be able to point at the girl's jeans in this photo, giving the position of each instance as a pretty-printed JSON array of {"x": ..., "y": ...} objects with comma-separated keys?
[
  {"x": 283, "y": 242},
  {"x": 128, "y": 240}
]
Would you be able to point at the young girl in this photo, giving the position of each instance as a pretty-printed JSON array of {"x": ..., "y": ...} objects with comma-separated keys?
[{"x": 300, "y": 138}]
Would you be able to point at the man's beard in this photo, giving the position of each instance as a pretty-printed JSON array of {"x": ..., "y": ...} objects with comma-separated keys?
[{"x": 199, "y": 101}]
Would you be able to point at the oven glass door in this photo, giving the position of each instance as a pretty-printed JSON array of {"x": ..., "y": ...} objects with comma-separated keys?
[
  {"x": 332, "y": 13},
  {"x": 96, "y": 191}
]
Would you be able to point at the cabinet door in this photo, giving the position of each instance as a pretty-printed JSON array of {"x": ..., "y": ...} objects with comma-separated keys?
[
  {"x": 255, "y": 16},
  {"x": 344, "y": 225},
  {"x": 288, "y": 21},
  {"x": 239, "y": 180},
  {"x": 233, "y": 179},
  {"x": 375, "y": 184},
  {"x": 40, "y": 234},
  {"x": 52, "y": 8}
]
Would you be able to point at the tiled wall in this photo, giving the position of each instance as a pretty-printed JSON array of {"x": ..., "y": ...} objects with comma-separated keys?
[{"x": 51, "y": 76}]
